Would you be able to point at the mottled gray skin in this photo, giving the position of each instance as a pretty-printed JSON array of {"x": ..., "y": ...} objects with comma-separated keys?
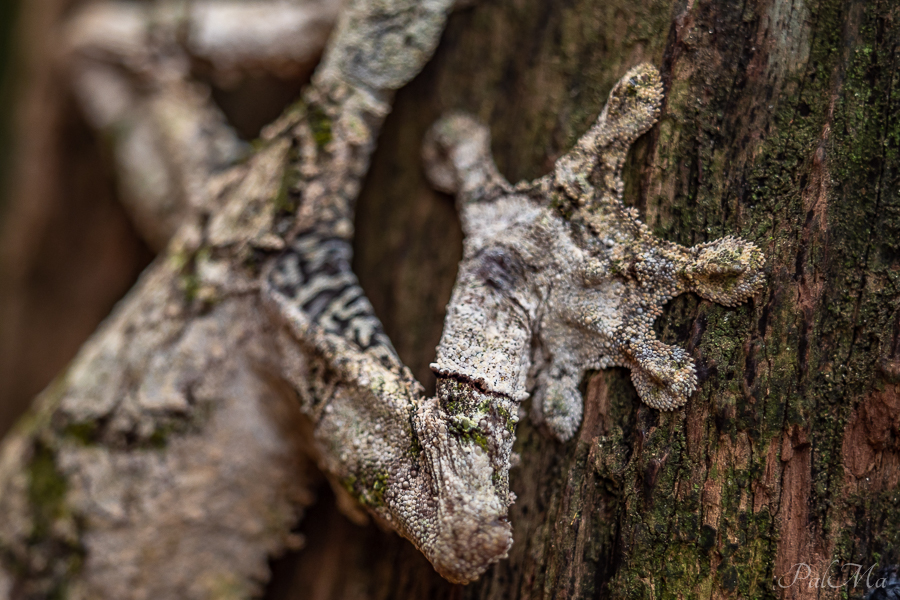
[{"x": 560, "y": 261}]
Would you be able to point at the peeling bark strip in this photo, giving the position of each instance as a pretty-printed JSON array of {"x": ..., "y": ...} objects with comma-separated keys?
[{"x": 780, "y": 123}]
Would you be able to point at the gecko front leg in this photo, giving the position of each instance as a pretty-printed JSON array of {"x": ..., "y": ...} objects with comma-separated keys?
[{"x": 563, "y": 262}]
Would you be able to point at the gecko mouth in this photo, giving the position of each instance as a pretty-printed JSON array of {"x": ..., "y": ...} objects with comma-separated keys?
[{"x": 479, "y": 383}]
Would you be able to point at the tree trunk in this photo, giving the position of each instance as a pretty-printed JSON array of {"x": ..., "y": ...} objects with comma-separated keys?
[{"x": 780, "y": 126}]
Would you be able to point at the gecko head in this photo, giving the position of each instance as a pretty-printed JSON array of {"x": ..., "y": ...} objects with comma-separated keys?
[
  {"x": 467, "y": 432},
  {"x": 466, "y": 443}
]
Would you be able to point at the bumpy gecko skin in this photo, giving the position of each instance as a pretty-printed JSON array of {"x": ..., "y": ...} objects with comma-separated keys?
[{"x": 561, "y": 261}]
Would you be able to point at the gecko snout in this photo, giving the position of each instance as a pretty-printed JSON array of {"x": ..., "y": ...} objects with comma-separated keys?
[{"x": 472, "y": 549}]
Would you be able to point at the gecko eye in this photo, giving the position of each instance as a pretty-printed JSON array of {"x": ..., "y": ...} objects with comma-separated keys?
[{"x": 500, "y": 268}]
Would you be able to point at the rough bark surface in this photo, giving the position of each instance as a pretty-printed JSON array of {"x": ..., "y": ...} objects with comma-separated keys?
[{"x": 779, "y": 125}]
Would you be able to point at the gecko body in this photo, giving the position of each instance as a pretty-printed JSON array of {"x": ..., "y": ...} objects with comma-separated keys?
[{"x": 558, "y": 277}]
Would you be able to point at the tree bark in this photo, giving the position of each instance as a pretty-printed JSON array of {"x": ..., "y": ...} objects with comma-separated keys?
[{"x": 779, "y": 125}]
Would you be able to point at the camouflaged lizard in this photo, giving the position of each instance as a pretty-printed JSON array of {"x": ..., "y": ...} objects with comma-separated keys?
[{"x": 557, "y": 277}]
